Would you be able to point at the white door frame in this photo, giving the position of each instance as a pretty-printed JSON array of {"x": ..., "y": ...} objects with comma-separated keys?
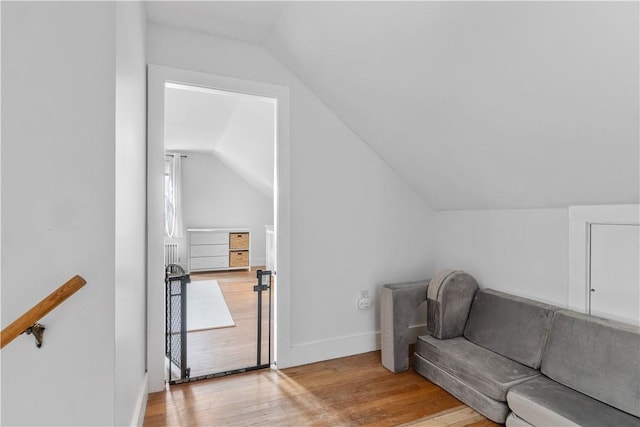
[{"x": 158, "y": 76}]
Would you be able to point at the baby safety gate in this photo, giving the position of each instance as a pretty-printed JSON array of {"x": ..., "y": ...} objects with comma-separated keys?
[{"x": 176, "y": 322}]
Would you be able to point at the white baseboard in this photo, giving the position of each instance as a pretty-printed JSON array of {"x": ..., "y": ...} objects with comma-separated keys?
[
  {"x": 317, "y": 351},
  {"x": 141, "y": 403}
]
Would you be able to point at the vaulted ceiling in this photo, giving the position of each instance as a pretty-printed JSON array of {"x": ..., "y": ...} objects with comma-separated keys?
[
  {"x": 238, "y": 128},
  {"x": 475, "y": 104}
]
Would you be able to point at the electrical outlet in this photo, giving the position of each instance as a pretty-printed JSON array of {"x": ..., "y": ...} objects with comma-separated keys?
[{"x": 365, "y": 302}]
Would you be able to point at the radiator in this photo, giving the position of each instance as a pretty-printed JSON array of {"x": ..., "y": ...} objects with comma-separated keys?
[{"x": 170, "y": 253}]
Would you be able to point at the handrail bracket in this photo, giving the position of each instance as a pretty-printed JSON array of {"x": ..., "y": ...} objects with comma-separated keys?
[
  {"x": 38, "y": 333},
  {"x": 28, "y": 322}
]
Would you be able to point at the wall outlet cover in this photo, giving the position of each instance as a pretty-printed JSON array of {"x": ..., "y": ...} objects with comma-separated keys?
[{"x": 365, "y": 303}]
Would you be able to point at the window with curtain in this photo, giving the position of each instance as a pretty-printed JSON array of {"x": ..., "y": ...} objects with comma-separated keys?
[{"x": 173, "y": 195}]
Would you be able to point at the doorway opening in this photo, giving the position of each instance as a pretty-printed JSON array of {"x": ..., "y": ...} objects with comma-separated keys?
[
  {"x": 219, "y": 204},
  {"x": 219, "y": 138}
]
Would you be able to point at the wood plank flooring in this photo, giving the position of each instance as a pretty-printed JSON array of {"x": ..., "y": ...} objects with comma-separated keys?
[{"x": 350, "y": 391}]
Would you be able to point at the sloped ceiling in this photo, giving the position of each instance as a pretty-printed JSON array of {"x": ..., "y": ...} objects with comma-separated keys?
[
  {"x": 195, "y": 118},
  {"x": 237, "y": 128},
  {"x": 476, "y": 104}
]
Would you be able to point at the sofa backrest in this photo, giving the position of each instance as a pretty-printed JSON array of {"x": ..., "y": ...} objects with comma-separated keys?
[
  {"x": 597, "y": 357},
  {"x": 514, "y": 327}
]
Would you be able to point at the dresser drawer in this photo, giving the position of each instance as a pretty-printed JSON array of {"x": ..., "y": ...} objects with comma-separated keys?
[
  {"x": 238, "y": 240},
  {"x": 239, "y": 259},
  {"x": 209, "y": 250},
  {"x": 209, "y": 238},
  {"x": 209, "y": 262}
]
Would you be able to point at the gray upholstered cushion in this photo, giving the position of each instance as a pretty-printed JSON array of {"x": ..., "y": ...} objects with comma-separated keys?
[
  {"x": 449, "y": 297},
  {"x": 544, "y": 402},
  {"x": 514, "y": 327},
  {"x": 597, "y": 357},
  {"x": 490, "y": 408},
  {"x": 514, "y": 421},
  {"x": 481, "y": 369}
]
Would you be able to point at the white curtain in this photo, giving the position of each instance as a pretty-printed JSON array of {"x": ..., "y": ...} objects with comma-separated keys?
[
  {"x": 177, "y": 196},
  {"x": 173, "y": 195}
]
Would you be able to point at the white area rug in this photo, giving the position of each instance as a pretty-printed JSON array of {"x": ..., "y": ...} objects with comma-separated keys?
[{"x": 206, "y": 307}]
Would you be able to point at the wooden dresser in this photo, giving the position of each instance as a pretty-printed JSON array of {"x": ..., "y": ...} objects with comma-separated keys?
[{"x": 213, "y": 249}]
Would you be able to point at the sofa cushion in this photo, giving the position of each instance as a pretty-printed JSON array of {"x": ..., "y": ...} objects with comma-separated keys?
[
  {"x": 544, "y": 402},
  {"x": 482, "y": 369},
  {"x": 514, "y": 327},
  {"x": 597, "y": 357},
  {"x": 490, "y": 408},
  {"x": 514, "y": 421}
]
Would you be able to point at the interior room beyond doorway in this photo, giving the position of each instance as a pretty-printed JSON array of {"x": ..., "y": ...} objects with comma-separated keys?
[{"x": 219, "y": 212}]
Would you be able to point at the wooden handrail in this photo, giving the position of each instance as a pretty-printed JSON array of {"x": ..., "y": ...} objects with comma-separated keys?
[{"x": 57, "y": 297}]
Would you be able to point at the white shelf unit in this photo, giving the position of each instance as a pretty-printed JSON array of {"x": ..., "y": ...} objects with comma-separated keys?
[{"x": 214, "y": 249}]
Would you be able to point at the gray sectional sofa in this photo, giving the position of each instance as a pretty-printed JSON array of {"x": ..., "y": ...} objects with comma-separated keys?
[{"x": 516, "y": 360}]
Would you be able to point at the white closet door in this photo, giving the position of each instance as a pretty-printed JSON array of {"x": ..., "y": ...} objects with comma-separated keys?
[{"x": 615, "y": 272}]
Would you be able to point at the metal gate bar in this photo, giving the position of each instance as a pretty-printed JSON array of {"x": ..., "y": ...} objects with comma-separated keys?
[{"x": 264, "y": 284}]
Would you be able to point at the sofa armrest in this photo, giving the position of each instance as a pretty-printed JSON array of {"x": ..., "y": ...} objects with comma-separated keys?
[
  {"x": 398, "y": 302},
  {"x": 449, "y": 299}
]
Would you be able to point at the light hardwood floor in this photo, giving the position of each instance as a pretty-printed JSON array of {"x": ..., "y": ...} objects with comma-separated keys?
[
  {"x": 225, "y": 349},
  {"x": 350, "y": 391}
]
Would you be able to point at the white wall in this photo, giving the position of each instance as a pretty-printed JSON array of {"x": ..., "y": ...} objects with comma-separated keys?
[
  {"x": 73, "y": 202},
  {"x": 524, "y": 252},
  {"x": 130, "y": 208},
  {"x": 216, "y": 196},
  {"x": 58, "y": 216},
  {"x": 355, "y": 224}
]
